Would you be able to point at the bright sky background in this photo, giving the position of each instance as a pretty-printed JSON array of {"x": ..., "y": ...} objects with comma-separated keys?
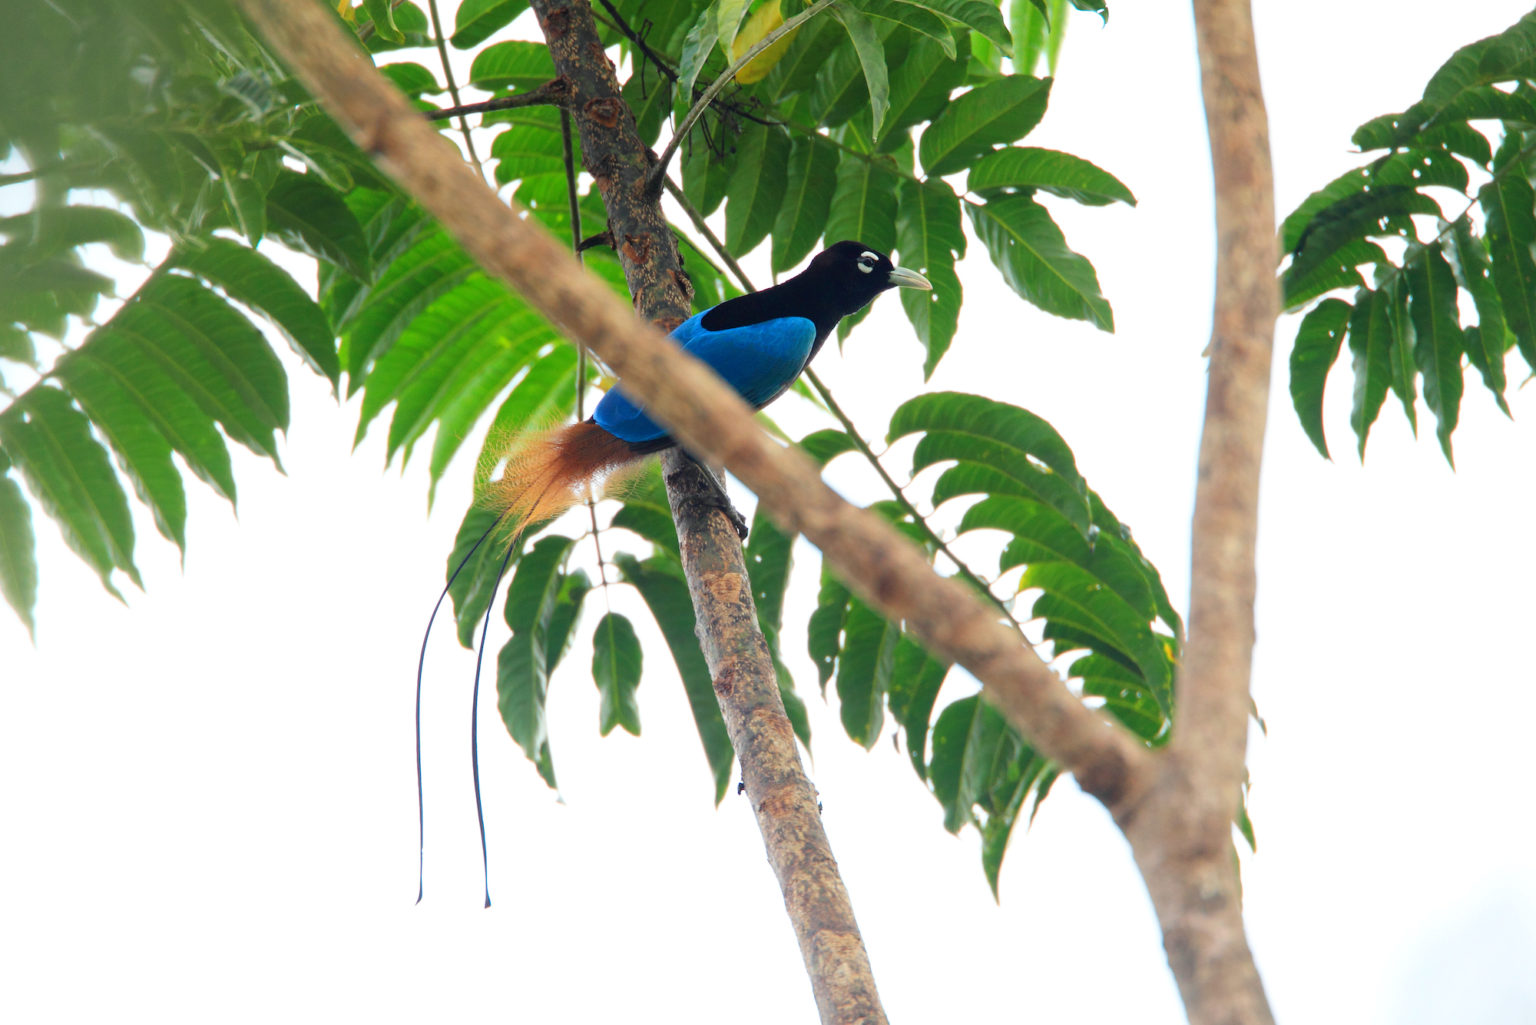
[{"x": 208, "y": 798}]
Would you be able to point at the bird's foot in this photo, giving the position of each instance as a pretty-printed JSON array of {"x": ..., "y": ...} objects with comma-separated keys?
[{"x": 720, "y": 499}]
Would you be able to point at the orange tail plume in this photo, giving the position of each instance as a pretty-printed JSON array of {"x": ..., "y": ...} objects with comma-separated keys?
[{"x": 551, "y": 472}]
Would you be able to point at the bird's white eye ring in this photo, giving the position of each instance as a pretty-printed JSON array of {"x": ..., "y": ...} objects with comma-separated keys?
[{"x": 867, "y": 262}]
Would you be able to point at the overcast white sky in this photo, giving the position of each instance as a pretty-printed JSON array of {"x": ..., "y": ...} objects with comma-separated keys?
[{"x": 208, "y": 798}]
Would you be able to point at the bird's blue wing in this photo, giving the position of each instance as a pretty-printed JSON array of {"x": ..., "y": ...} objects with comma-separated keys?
[{"x": 758, "y": 360}]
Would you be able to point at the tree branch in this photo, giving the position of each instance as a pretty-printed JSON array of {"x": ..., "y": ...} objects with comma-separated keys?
[
  {"x": 553, "y": 93},
  {"x": 1182, "y": 833}
]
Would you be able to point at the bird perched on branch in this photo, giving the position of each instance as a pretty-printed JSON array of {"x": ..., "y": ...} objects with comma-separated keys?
[{"x": 759, "y": 343}]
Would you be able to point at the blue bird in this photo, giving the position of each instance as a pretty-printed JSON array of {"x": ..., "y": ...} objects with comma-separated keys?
[{"x": 759, "y": 343}]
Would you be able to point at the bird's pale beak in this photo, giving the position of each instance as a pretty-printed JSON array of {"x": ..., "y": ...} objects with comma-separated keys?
[{"x": 909, "y": 279}]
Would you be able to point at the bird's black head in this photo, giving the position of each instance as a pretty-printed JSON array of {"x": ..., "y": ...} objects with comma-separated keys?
[{"x": 851, "y": 274}]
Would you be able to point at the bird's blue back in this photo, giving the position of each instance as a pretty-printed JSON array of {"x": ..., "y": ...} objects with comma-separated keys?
[{"x": 758, "y": 360}]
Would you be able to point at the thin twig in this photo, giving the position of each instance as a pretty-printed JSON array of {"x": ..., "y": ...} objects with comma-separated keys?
[
  {"x": 619, "y": 25},
  {"x": 453, "y": 85},
  {"x": 659, "y": 171},
  {"x": 853, "y": 433},
  {"x": 552, "y": 93}
]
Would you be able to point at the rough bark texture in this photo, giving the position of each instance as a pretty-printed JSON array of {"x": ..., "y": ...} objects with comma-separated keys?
[
  {"x": 746, "y": 684},
  {"x": 1182, "y": 832},
  {"x": 782, "y": 797}
]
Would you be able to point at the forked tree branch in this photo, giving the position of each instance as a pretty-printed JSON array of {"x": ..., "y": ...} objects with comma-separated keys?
[{"x": 1182, "y": 833}]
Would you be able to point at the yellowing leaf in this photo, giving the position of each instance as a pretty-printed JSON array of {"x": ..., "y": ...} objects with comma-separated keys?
[{"x": 762, "y": 21}]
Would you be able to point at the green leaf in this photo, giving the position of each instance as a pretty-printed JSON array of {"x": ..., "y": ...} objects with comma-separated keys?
[
  {"x": 1125, "y": 695},
  {"x": 69, "y": 474},
  {"x": 1485, "y": 348},
  {"x": 757, "y": 187},
  {"x": 866, "y": 44},
  {"x": 616, "y": 664},
  {"x": 50, "y": 230},
  {"x": 1437, "y": 333},
  {"x": 477, "y": 20},
  {"x": 1400, "y": 354},
  {"x": 768, "y": 554},
  {"x": 513, "y": 65},
  {"x": 810, "y": 180},
  {"x": 1038, "y": 532},
  {"x": 839, "y": 91},
  {"x": 1337, "y": 270},
  {"x": 989, "y": 115},
  {"x": 650, "y": 97},
  {"x": 864, "y": 669},
  {"x": 1032, "y": 253},
  {"x": 929, "y": 239},
  {"x": 979, "y": 16},
  {"x": 308, "y": 215},
  {"x": 1317, "y": 346},
  {"x": 1062, "y": 174},
  {"x": 826, "y": 445},
  {"x": 824, "y": 631},
  {"x": 863, "y": 204},
  {"x": 647, "y": 512},
  {"x": 920, "y": 86},
  {"x": 436, "y": 340},
  {"x": 706, "y": 173},
  {"x": 563, "y": 617},
  {"x": 1508, "y": 205},
  {"x": 545, "y": 396},
  {"x": 382, "y": 14},
  {"x": 667, "y": 597},
  {"x": 474, "y": 565},
  {"x": 1370, "y": 341},
  {"x": 142, "y": 451},
  {"x": 1074, "y": 597},
  {"x": 214, "y": 354},
  {"x": 460, "y": 401},
  {"x": 988, "y": 420},
  {"x": 698, "y": 45},
  {"x": 916, "y": 677},
  {"x": 1372, "y": 210},
  {"x": 411, "y": 78},
  {"x": 918, "y": 17},
  {"x": 18, "y": 561},
  {"x": 522, "y": 668},
  {"x": 431, "y": 267},
  {"x": 250, "y": 278}
]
